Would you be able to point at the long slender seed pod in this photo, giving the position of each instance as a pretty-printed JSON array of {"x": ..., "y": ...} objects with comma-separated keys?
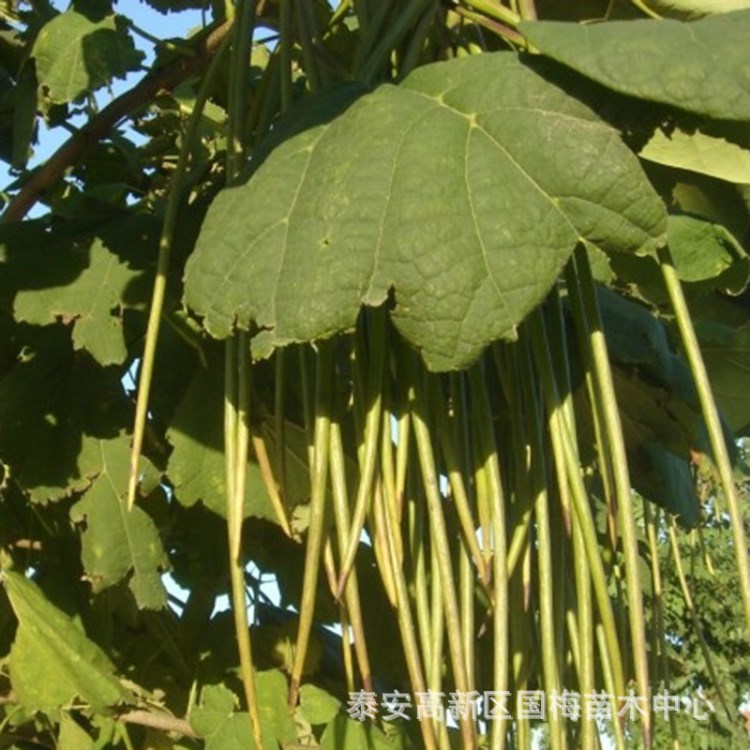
[
  {"x": 713, "y": 423},
  {"x": 543, "y": 540},
  {"x": 487, "y": 449},
  {"x": 466, "y": 598},
  {"x": 388, "y": 479},
  {"x": 408, "y": 638},
  {"x": 403, "y": 431},
  {"x": 663, "y": 675},
  {"x": 269, "y": 481},
  {"x": 319, "y": 480},
  {"x": 439, "y": 541},
  {"x": 603, "y": 453},
  {"x": 585, "y": 621},
  {"x": 417, "y": 555},
  {"x": 240, "y": 348},
  {"x": 609, "y": 680},
  {"x": 237, "y": 388},
  {"x": 174, "y": 202},
  {"x": 625, "y": 514},
  {"x": 351, "y": 593},
  {"x": 437, "y": 619},
  {"x": 371, "y": 441},
  {"x": 380, "y": 547},
  {"x": 279, "y": 422},
  {"x": 456, "y": 472},
  {"x": 583, "y": 511},
  {"x": 437, "y": 638}
]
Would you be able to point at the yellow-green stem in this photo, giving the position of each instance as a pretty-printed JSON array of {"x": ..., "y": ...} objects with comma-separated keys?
[
  {"x": 174, "y": 202},
  {"x": 711, "y": 416},
  {"x": 319, "y": 479}
]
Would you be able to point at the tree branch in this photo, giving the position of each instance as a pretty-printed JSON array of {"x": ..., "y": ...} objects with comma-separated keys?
[
  {"x": 164, "y": 722},
  {"x": 99, "y": 126}
]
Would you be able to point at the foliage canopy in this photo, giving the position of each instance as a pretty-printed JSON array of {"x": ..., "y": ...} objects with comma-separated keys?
[{"x": 470, "y": 277}]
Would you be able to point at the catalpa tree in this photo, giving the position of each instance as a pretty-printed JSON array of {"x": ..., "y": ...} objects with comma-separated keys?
[{"x": 417, "y": 331}]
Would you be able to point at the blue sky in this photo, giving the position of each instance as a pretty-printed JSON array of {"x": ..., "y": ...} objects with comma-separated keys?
[{"x": 156, "y": 24}]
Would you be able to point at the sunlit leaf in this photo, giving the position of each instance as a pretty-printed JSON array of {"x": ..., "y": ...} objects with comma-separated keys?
[
  {"x": 317, "y": 706},
  {"x": 117, "y": 541},
  {"x": 463, "y": 191},
  {"x": 716, "y": 150},
  {"x": 75, "y": 55},
  {"x": 52, "y": 660}
]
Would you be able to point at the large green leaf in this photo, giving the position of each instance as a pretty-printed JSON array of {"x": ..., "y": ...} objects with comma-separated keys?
[
  {"x": 52, "y": 661},
  {"x": 701, "y": 67},
  {"x": 463, "y": 191},
  {"x": 348, "y": 734},
  {"x": 75, "y": 55},
  {"x": 116, "y": 540}
]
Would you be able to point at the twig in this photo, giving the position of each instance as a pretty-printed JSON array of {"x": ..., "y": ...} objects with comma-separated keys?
[
  {"x": 99, "y": 126},
  {"x": 164, "y": 722}
]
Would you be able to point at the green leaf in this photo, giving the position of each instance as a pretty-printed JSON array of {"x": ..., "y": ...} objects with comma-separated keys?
[
  {"x": 55, "y": 407},
  {"x": 317, "y": 706},
  {"x": 726, "y": 351},
  {"x": 52, "y": 661},
  {"x": 347, "y": 734},
  {"x": 700, "y": 67},
  {"x": 718, "y": 150},
  {"x": 216, "y": 719},
  {"x": 463, "y": 192},
  {"x": 75, "y": 56},
  {"x": 90, "y": 293},
  {"x": 695, "y": 8},
  {"x": 217, "y": 722},
  {"x": 116, "y": 541},
  {"x": 702, "y": 250},
  {"x": 72, "y": 736}
]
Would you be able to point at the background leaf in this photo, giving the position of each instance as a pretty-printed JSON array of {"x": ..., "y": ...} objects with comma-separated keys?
[
  {"x": 91, "y": 301},
  {"x": 115, "y": 540},
  {"x": 55, "y": 406},
  {"x": 702, "y": 250},
  {"x": 75, "y": 56},
  {"x": 52, "y": 660},
  {"x": 700, "y": 67},
  {"x": 719, "y": 150}
]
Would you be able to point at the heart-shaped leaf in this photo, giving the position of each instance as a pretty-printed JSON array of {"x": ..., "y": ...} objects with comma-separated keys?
[{"x": 463, "y": 192}]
